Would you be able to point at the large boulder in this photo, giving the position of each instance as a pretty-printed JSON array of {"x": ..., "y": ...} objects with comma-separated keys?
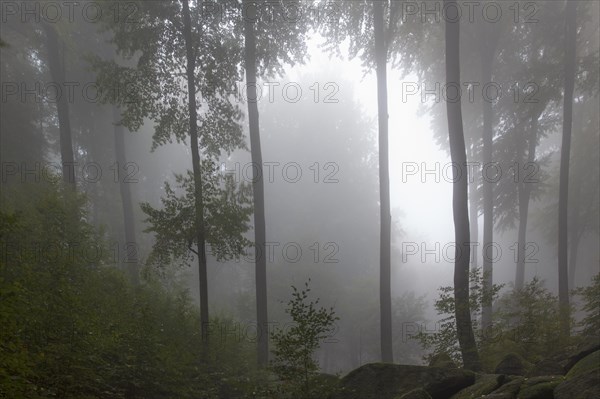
[
  {"x": 511, "y": 364},
  {"x": 583, "y": 386},
  {"x": 390, "y": 381},
  {"x": 508, "y": 390},
  {"x": 442, "y": 360},
  {"x": 559, "y": 363},
  {"x": 539, "y": 387},
  {"x": 416, "y": 394},
  {"x": 484, "y": 384},
  {"x": 582, "y": 381}
]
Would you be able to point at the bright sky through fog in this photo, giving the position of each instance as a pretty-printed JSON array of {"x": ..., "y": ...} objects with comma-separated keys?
[{"x": 425, "y": 205}]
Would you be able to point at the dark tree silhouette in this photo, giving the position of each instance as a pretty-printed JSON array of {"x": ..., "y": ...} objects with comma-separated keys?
[
  {"x": 196, "y": 164},
  {"x": 460, "y": 199},
  {"x": 57, "y": 71},
  {"x": 385, "y": 288},
  {"x": 565, "y": 152},
  {"x": 258, "y": 189}
]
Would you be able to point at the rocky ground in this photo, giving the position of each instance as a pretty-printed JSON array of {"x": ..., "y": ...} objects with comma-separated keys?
[{"x": 569, "y": 374}]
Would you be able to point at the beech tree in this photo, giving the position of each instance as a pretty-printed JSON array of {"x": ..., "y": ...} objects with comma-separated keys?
[{"x": 460, "y": 208}]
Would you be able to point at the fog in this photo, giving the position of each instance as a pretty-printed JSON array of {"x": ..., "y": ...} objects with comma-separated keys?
[{"x": 319, "y": 139}]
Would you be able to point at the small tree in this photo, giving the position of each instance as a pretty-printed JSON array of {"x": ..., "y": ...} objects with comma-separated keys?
[
  {"x": 294, "y": 347},
  {"x": 591, "y": 305},
  {"x": 444, "y": 340}
]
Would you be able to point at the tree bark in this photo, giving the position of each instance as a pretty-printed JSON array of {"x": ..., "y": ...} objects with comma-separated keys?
[
  {"x": 524, "y": 187},
  {"x": 563, "y": 267},
  {"x": 575, "y": 234},
  {"x": 197, "y": 170},
  {"x": 385, "y": 288},
  {"x": 488, "y": 194},
  {"x": 474, "y": 212},
  {"x": 460, "y": 206},
  {"x": 130, "y": 248},
  {"x": 57, "y": 71},
  {"x": 258, "y": 190}
]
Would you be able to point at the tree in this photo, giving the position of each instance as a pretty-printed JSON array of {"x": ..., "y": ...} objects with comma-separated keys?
[
  {"x": 258, "y": 188},
  {"x": 266, "y": 45},
  {"x": 57, "y": 71},
  {"x": 295, "y": 346},
  {"x": 190, "y": 55},
  {"x": 385, "y": 271},
  {"x": 160, "y": 43},
  {"x": 126, "y": 201},
  {"x": 373, "y": 45},
  {"x": 460, "y": 209},
  {"x": 591, "y": 305},
  {"x": 444, "y": 339},
  {"x": 565, "y": 152}
]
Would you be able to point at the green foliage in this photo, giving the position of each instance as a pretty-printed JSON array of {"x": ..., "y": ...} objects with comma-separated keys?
[
  {"x": 591, "y": 305},
  {"x": 73, "y": 327},
  {"x": 227, "y": 211},
  {"x": 444, "y": 340},
  {"x": 295, "y": 344},
  {"x": 529, "y": 318},
  {"x": 526, "y": 322}
]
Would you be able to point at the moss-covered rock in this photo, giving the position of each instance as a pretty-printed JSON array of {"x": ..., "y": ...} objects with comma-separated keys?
[
  {"x": 484, "y": 384},
  {"x": 508, "y": 390},
  {"x": 389, "y": 381},
  {"x": 590, "y": 362},
  {"x": 560, "y": 362},
  {"x": 539, "y": 387},
  {"x": 442, "y": 360},
  {"x": 585, "y": 385},
  {"x": 416, "y": 394},
  {"x": 512, "y": 364}
]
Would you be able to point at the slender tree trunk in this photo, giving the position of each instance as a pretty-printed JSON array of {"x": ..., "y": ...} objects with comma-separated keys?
[
  {"x": 130, "y": 248},
  {"x": 488, "y": 194},
  {"x": 258, "y": 191},
  {"x": 473, "y": 212},
  {"x": 575, "y": 235},
  {"x": 524, "y": 187},
  {"x": 460, "y": 206},
  {"x": 57, "y": 71},
  {"x": 563, "y": 267},
  {"x": 385, "y": 288},
  {"x": 197, "y": 169}
]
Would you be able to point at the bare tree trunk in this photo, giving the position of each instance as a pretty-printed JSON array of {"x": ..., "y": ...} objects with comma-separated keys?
[
  {"x": 130, "y": 248},
  {"x": 460, "y": 206},
  {"x": 524, "y": 187},
  {"x": 258, "y": 192},
  {"x": 57, "y": 70},
  {"x": 385, "y": 288},
  {"x": 474, "y": 212},
  {"x": 575, "y": 234},
  {"x": 197, "y": 170},
  {"x": 563, "y": 266},
  {"x": 488, "y": 195}
]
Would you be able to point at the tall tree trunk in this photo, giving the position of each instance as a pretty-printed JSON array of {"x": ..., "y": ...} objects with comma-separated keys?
[
  {"x": 130, "y": 248},
  {"x": 258, "y": 190},
  {"x": 574, "y": 232},
  {"x": 197, "y": 170},
  {"x": 385, "y": 287},
  {"x": 488, "y": 194},
  {"x": 57, "y": 71},
  {"x": 473, "y": 211},
  {"x": 524, "y": 187},
  {"x": 460, "y": 207},
  {"x": 563, "y": 267}
]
